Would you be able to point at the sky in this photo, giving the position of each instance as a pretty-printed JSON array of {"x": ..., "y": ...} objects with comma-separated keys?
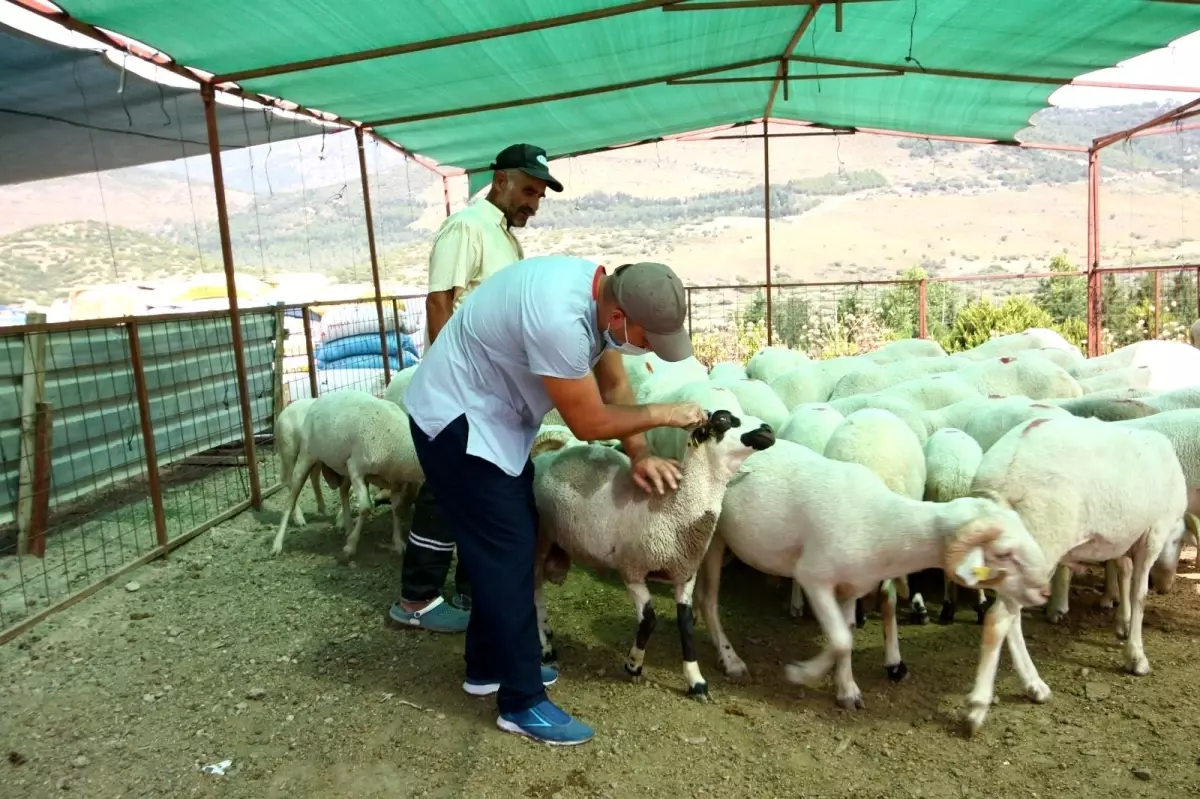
[{"x": 1175, "y": 65}]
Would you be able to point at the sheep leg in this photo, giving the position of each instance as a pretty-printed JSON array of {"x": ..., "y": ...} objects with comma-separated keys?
[
  {"x": 295, "y": 485},
  {"x": 796, "y": 605},
  {"x": 1035, "y": 688},
  {"x": 1113, "y": 594},
  {"x": 893, "y": 664},
  {"x": 344, "y": 512},
  {"x": 1135, "y": 656},
  {"x": 401, "y": 518},
  {"x": 917, "y": 612},
  {"x": 981, "y": 606},
  {"x": 686, "y": 622},
  {"x": 949, "y": 597},
  {"x": 839, "y": 644},
  {"x": 544, "y": 632},
  {"x": 709, "y": 590},
  {"x": 1124, "y": 568},
  {"x": 1060, "y": 586},
  {"x": 995, "y": 629},
  {"x": 640, "y": 595},
  {"x": 363, "y": 505},
  {"x": 315, "y": 477}
]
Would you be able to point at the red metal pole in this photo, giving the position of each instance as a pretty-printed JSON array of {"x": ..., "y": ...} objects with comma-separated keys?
[
  {"x": 1095, "y": 306},
  {"x": 235, "y": 319},
  {"x": 366, "y": 190},
  {"x": 767, "y": 226},
  {"x": 147, "y": 422},
  {"x": 923, "y": 309}
]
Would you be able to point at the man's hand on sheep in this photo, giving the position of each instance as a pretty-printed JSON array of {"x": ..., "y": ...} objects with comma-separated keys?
[
  {"x": 649, "y": 469},
  {"x": 685, "y": 414}
]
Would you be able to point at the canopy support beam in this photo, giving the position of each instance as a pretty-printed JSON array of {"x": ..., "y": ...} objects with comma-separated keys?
[
  {"x": 781, "y": 70},
  {"x": 366, "y": 190}
]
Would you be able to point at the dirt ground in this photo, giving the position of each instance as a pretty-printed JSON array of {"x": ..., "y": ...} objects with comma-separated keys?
[{"x": 286, "y": 668}]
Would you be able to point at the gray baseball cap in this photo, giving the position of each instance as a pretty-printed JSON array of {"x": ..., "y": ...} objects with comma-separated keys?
[{"x": 652, "y": 296}]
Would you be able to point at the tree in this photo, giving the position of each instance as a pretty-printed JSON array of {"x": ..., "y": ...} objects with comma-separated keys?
[
  {"x": 977, "y": 322},
  {"x": 1062, "y": 297},
  {"x": 900, "y": 306}
]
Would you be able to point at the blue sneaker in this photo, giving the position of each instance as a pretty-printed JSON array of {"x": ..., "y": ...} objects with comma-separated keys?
[
  {"x": 548, "y": 723},
  {"x": 438, "y": 616},
  {"x": 483, "y": 688}
]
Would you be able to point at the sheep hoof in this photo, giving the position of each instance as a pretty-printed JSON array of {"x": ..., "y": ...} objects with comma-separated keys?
[
  {"x": 1138, "y": 667},
  {"x": 343, "y": 557},
  {"x": 897, "y": 672},
  {"x": 852, "y": 702},
  {"x": 1056, "y": 616},
  {"x": 699, "y": 692},
  {"x": 980, "y": 615},
  {"x": 1038, "y": 692},
  {"x": 1121, "y": 632},
  {"x": 634, "y": 674},
  {"x": 946, "y": 616},
  {"x": 549, "y": 656},
  {"x": 974, "y": 717},
  {"x": 918, "y": 616}
]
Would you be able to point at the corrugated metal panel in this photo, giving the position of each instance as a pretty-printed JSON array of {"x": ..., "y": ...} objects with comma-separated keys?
[{"x": 190, "y": 379}]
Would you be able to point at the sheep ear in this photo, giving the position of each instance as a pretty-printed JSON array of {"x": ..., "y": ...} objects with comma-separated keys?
[
  {"x": 963, "y": 558},
  {"x": 987, "y": 493},
  {"x": 971, "y": 569}
]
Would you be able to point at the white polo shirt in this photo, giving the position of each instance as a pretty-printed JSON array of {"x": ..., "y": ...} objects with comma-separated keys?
[
  {"x": 535, "y": 318},
  {"x": 471, "y": 245}
]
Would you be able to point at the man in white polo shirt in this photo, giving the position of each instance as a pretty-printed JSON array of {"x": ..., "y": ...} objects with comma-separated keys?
[
  {"x": 543, "y": 333},
  {"x": 471, "y": 246}
]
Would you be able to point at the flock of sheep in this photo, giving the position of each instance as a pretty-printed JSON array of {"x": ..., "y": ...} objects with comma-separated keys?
[{"x": 1006, "y": 466}]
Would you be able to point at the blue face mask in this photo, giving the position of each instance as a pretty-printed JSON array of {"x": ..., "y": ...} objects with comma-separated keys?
[{"x": 626, "y": 348}]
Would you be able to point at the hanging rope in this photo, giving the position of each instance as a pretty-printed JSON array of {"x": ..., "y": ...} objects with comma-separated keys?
[
  {"x": 87, "y": 117},
  {"x": 254, "y": 191},
  {"x": 912, "y": 26},
  {"x": 303, "y": 194},
  {"x": 339, "y": 197},
  {"x": 187, "y": 174}
]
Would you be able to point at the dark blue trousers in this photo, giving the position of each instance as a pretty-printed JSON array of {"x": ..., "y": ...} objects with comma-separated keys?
[{"x": 494, "y": 521}]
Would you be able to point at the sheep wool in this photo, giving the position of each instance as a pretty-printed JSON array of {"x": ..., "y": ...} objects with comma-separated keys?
[
  {"x": 727, "y": 370},
  {"x": 811, "y": 425},
  {"x": 289, "y": 427},
  {"x": 758, "y": 400},
  {"x": 770, "y": 362}
]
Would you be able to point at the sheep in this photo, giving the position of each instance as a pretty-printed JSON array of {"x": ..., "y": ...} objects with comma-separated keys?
[
  {"x": 811, "y": 425},
  {"x": 1121, "y": 377},
  {"x": 591, "y": 512},
  {"x": 906, "y": 349},
  {"x": 727, "y": 370},
  {"x": 395, "y": 389},
  {"x": 812, "y": 381},
  {"x": 884, "y": 444},
  {"x": 870, "y": 380},
  {"x": 897, "y": 406},
  {"x": 1194, "y": 334},
  {"x": 289, "y": 427},
  {"x": 1176, "y": 400},
  {"x": 1066, "y": 358},
  {"x": 650, "y": 376},
  {"x": 1165, "y": 365},
  {"x": 757, "y": 399},
  {"x": 951, "y": 458},
  {"x": 1104, "y": 408},
  {"x": 1013, "y": 343},
  {"x": 1182, "y": 429},
  {"x": 836, "y": 529},
  {"x": 363, "y": 440},
  {"x": 991, "y": 422},
  {"x": 551, "y": 437},
  {"x": 671, "y": 442},
  {"x": 1087, "y": 491},
  {"x": 770, "y": 362}
]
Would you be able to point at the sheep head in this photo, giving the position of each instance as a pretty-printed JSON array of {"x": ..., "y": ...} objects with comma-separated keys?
[
  {"x": 992, "y": 548},
  {"x": 732, "y": 438}
]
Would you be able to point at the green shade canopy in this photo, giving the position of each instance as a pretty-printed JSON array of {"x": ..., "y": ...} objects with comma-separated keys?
[{"x": 611, "y": 78}]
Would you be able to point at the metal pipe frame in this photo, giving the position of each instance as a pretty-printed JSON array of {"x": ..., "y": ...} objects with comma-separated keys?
[
  {"x": 235, "y": 321},
  {"x": 767, "y": 227},
  {"x": 366, "y": 190}
]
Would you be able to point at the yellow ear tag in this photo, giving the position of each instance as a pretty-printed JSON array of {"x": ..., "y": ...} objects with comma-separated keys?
[{"x": 981, "y": 573}]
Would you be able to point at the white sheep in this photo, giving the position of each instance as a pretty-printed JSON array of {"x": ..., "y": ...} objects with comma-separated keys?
[
  {"x": 811, "y": 425},
  {"x": 289, "y": 428},
  {"x": 361, "y": 439},
  {"x": 770, "y": 362},
  {"x": 1182, "y": 429},
  {"x": 812, "y": 381},
  {"x": 757, "y": 399},
  {"x": 1164, "y": 365},
  {"x": 989, "y": 424},
  {"x": 1088, "y": 491},
  {"x": 951, "y": 458},
  {"x": 906, "y": 349},
  {"x": 1176, "y": 400},
  {"x": 880, "y": 441},
  {"x": 592, "y": 512},
  {"x": 1013, "y": 343},
  {"x": 651, "y": 376},
  {"x": 727, "y": 370},
  {"x": 395, "y": 389},
  {"x": 869, "y": 380},
  {"x": 836, "y": 529},
  {"x": 1105, "y": 407},
  {"x": 897, "y": 406}
]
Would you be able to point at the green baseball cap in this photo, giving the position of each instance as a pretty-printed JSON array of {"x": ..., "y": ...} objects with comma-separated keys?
[{"x": 652, "y": 296}]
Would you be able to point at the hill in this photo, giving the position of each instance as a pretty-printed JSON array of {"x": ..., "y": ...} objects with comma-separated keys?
[{"x": 843, "y": 208}]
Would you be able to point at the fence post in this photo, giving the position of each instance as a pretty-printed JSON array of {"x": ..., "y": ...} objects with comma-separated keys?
[
  {"x": 277, "y": 398},
  {"x": 144, "y": 415},
  {"x": 1157, "y": 300},
  {"x": 767, "y": 228},
  {"x": 33, "y": 390},
  {"x": 687, "y": 293},
  {"x": 366, "y": 190},
  {"x": 923, "y": 308},
  {"x": 308, "y": 351},
  {"x": 43, "y": 448}
]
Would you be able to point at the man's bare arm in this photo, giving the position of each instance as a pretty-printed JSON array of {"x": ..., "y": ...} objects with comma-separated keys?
[
  {"x": 438, "y": 307},
  {"x": 590, "y": 419},
  {"x": 613, "y": 383}
]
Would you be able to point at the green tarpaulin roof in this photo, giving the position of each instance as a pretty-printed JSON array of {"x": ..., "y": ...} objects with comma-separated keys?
[{"x": 604, "y": 81}]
